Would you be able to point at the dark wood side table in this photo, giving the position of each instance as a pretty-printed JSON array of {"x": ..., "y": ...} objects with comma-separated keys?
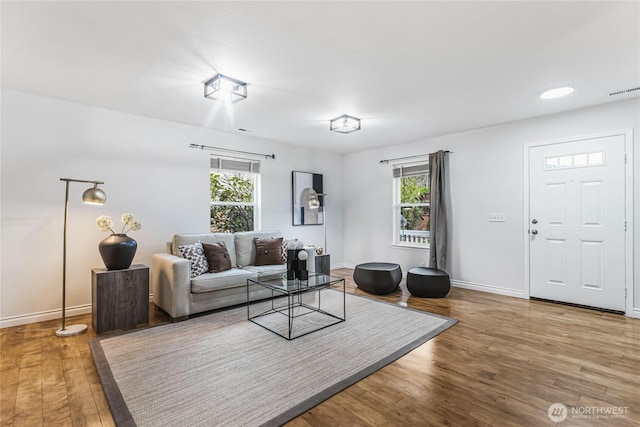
[
  {"x": 120, "y": 298},
  {"x": 323, "y": 264}
]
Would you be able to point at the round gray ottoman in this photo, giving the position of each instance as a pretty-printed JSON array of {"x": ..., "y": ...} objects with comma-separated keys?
[
  {"x": 428, "y": 282},
  {"x": 378, "y": 278}
]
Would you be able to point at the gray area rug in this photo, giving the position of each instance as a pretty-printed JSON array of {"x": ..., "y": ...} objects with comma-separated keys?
[{"x": 222, "y": 370}]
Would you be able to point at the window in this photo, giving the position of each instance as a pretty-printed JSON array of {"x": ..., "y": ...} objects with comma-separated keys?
[
  {"x": 581, "y": 160},
  {"x": 411, "y": 205},
  {"x": 234, "y": 184}
]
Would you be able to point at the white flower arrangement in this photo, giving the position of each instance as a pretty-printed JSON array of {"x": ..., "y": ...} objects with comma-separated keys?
[{"x": 105, "y": 223}]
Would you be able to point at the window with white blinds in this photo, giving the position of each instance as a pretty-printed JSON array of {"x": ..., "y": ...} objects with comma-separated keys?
[
  {"x": 235, "y": 165},
  {"x": 234, "y": 185}
]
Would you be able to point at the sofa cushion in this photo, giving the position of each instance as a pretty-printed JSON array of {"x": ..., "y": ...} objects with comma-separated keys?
[
  {"x": 224, "y": 280},
  {"x": 187, "y": 239},
  {"x": 195, "y": 254},
  {"x": 268, "y": 251},
  {"x": 266, "y": 272},
  {"x": 246, "y": 249},
  {"x": 217, "y": 257}
]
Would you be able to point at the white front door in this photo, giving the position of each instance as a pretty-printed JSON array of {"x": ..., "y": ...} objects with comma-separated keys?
[{"x": 577, "y": 222}]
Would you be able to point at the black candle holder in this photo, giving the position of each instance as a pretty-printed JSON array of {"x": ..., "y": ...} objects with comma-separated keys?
[
  {"x": 302, "y": 273},
  {"x": 292, "y": 264}
]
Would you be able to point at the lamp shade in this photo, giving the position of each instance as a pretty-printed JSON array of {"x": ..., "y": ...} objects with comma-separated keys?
[
  {"x": 94, "y": 196},
  {"x": 313, "y": 202}
]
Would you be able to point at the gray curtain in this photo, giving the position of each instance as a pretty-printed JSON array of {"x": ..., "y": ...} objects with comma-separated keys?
[{"x": 438, "y": 219}]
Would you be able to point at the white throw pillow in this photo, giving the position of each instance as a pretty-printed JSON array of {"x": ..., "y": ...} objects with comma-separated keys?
[{"x": 195, "y": 254}]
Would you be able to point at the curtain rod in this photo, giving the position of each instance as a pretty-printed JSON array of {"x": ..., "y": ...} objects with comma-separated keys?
[
  {"x": 409, "y": 157},
  {"x": 228, "y": 150}
]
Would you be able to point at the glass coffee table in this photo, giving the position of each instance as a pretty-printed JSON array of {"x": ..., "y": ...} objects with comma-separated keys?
[{"x": 298, "y": 307}]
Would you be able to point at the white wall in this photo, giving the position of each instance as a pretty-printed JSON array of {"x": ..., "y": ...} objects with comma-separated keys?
[
  {"x": 486, "y": 176},
  {"x": 148, "y": 170}
]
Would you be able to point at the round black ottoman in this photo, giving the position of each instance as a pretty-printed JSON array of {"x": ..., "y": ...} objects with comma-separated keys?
[
  {"x": 378, "y": 278},
  {"x": 428, "y": 282}
]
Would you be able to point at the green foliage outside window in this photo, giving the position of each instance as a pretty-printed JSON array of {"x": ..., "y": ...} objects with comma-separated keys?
[
  {"x": 231, "y": 187},
  {"x": 415, "y": 189},
  {"x": 229, "y": 193}
]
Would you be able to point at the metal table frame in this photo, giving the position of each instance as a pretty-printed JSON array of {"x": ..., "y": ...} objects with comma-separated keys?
[{"x": 294, "y": 290}]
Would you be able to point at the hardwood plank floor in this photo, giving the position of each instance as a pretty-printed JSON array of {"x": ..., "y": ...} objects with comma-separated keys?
[{"x": 503, "y": 364}]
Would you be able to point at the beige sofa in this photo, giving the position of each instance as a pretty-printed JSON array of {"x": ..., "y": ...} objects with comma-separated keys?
[{"x": 175, "y": 292}]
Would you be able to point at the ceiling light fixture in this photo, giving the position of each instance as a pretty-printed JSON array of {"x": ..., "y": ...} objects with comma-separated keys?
[
  {"x": 224, "y": 88},
  {"x": 344, "y": 124},
  {"x": 557, "y": 92}
]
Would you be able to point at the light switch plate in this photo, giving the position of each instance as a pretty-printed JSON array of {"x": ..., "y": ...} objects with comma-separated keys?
[{"x": 497, "y": 217}]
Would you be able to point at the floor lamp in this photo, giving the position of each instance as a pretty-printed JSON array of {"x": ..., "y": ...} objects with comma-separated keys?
[
  {"x": 92, "y": 196},
  {"x": 323, "y": 261},
  {"x": 314, "y": 203}
]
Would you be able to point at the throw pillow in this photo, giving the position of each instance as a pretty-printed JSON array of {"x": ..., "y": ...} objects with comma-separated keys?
[
  {"x": 217, "y": 257},
  {"x": 283, "y": 247},
  {"x": 268, "y": 251},
  {"x": 285, "y": 244},
  {"x": 195, "y": 254}
]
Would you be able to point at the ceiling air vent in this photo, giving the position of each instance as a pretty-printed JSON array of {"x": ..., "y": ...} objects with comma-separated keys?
[{"x": 620, "y": 92}]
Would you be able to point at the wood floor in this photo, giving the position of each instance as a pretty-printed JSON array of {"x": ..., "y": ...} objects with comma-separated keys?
[{"x": 503, "y": 364}]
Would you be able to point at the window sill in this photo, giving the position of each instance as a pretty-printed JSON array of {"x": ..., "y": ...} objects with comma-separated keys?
[{"x": 410, "y": 246}]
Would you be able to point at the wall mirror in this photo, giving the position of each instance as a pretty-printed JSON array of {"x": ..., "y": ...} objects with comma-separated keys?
[{"x": 307, "y": 202}]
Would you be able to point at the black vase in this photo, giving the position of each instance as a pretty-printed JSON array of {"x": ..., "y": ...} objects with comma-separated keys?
[{"x": 117, "y": 251}]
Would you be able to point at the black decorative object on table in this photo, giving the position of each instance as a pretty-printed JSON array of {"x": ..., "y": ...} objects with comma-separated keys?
[
  {"x": 292, "y": 263},
  {"x": 117, "y": 251},
  {"x": 296, "y": 261},
  {"x": 302, "y": 273}
]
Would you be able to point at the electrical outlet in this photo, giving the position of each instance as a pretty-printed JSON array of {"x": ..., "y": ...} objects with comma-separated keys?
[{"x": 497, "y": 217}]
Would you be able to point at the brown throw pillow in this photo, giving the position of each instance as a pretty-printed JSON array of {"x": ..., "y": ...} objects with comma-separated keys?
[
  {"x": 268, "y": 251},
  {"x": 217, "y": 257}
]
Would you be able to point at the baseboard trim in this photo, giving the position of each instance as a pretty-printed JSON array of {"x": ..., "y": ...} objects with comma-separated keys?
[
  {"x": 471, "y": 285},
  {"x": 489, "y": 288},
  {"x": 337, "y": 266},
  {"x": 41, "y": 316},
  {"x": 634, "y": 313},
  {"x": 25, "y": 319}
]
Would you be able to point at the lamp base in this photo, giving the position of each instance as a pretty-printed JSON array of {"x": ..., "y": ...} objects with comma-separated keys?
[{"x": 71, "y": 330}]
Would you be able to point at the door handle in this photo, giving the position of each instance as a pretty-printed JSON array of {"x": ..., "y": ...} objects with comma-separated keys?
[{"x": 534, "y": 231}]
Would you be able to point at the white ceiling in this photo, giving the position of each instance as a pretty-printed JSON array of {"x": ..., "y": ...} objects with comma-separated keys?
[{"x": 410, "y": 70}]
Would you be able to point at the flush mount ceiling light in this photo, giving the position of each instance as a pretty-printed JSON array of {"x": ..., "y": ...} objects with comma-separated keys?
[
  {"x": 344, "y": 124},
  {"x": 225, "y": 88},
  {"x": 557, "y": 92}
]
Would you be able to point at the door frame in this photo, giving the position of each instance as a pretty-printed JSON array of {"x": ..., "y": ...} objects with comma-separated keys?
[{"x": 629, "y": 236}]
